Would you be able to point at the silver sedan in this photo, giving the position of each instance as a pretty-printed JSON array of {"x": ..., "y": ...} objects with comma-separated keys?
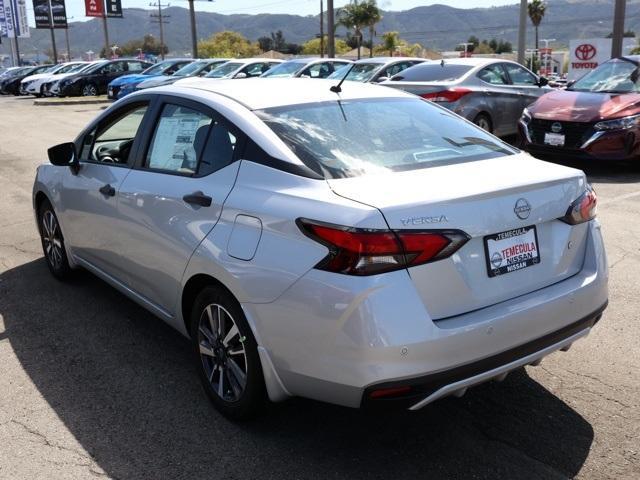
[{"x": 492, "y": 93}]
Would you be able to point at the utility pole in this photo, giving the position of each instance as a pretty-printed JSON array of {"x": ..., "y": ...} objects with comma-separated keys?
[
  {"x": 105, "y": 28},
  {"x": 66, "y": 37},
  {"x": 53, "y": 35},
  {"x": 618, "y": 28},
  {"x": 161, "y": 21},
  {"x": 331, "y": 48},
  {"x": 194, "y": 36},
  {"x": 321, "y": 30},
  {"x": 522, "y": 31},
  {"x": 14, "y": 20}
]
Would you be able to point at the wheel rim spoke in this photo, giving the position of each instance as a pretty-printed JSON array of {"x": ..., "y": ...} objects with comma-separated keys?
[
  {"x": 233, "y": 331},
  {"x": 221, "y": 383},
  {"x": 206, "y": 350},
  {"x": 237, "y": 372}
]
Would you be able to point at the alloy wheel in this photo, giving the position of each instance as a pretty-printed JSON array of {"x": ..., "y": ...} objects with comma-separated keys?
[
  {"x": 89, "y": 91},
  {"x": 222, "y": 352},
  {"x": 483, "y": 123},
  {"x": 52, "y": 239}
]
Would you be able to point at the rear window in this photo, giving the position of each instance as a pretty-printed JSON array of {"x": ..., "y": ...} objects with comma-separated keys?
[
  {"x": 350, "y": 138},
  {"x": 432, "y": 72},
  {"x": 286, "y": 69}
]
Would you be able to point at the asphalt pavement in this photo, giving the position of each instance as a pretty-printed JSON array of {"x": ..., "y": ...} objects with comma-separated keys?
[{"x": 93, "y": 386}]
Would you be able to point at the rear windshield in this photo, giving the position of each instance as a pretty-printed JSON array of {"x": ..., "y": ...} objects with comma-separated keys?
[
  {"x": 191, "y": 69},
  {"x": 432, "y": 72},
  {"x": 223, "y": 70},
  {"x": 350, "y": 138},
  {"x": 361, "y": 72}
]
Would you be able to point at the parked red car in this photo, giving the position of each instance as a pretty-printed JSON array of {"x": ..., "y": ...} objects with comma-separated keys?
[{"x": 596, "y": 117}]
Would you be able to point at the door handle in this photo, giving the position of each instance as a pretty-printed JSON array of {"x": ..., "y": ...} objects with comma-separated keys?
[
  {"x": 108, "y": 190},
  {"x": 198, "y": 198}
]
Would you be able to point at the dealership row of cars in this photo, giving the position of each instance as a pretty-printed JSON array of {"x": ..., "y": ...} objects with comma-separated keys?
[{"x": 595, "y": 117}]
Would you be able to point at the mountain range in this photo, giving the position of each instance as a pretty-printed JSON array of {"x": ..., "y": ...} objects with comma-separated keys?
[{"x": 437, "y": 27}]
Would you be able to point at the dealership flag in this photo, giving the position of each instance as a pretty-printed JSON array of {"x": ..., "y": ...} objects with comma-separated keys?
[
  {"x": 15, "y": 13},
  {"x": 41, "y": 13},
  {"x": 3, "y": 21},
  {"x": 114, "y": 8},
  {"x": 94, "y": 8}
]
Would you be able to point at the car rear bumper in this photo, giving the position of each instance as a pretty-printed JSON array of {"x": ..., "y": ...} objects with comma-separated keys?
[{"x": 337, "y": 338}]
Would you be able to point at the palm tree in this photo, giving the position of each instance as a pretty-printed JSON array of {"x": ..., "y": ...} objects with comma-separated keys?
[
  {"x": 536, "y": 8},
  {"x": 373, "y": 13},
  {"x": 354, "y": 15},
  {"x": 391, "y": 41}
]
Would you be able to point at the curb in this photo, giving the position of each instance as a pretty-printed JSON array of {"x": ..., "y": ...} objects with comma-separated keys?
[{"x": 70, "y": 101}]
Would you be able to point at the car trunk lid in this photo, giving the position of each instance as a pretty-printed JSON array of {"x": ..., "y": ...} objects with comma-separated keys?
[{"x": 481, "y": 198}]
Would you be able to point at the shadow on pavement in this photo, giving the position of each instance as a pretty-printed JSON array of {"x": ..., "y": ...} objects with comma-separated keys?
[{"x": 123, "y": 384}]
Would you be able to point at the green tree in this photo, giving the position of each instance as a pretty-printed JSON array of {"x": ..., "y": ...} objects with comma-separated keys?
[
  {"x": 358, "y": 15},
  {"x": 228, "y": 44},
  {"x": 265, "y": 44},
  {"x": 373, "y": 12},
  {"x": 493, "y": 43},
  {"x": 312, "y": 47},
  {"x": 537, "y": 9}
]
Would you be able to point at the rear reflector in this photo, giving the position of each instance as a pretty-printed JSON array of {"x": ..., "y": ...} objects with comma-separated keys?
[
  {"x": 449, "y": 95},
  {"x": 583, "y": 209},
  {"x": 390, "y": 392},
  {"x": 355, "y": 251}
]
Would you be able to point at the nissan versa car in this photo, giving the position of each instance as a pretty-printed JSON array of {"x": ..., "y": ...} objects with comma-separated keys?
[
  {"x": 243, "y": 68},
  {"x": 10, "y": 85},
  {"x": 307, "y": 67},
  {"x": 598, "y": 117},
  {"x": 492, "y": 93},
  {"x": 351, "y": 244}
]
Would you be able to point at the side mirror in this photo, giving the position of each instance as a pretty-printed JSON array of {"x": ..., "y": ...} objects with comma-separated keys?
[
  {"x": 240, "y": 75},
  {"x": 64, "y": 155},
  {"x": 542, "y": 81},
  {"x": 382, "y": 79}
]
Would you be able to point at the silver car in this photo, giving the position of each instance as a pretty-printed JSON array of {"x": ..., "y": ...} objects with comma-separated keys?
[
  {"x": 307, "y": 68},
  {"x": 352, "y": 244},
  {"x": 492, "y": 93},
  {"x": 377, "y": 69}
]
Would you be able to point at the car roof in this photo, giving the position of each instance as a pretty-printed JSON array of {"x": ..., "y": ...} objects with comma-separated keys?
[
  {"x": 474, "y": 61},
  {"x": 382, "y": 60},
  {"x": 283, "y": 91}
]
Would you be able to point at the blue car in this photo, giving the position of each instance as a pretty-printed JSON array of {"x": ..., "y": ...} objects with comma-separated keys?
[{"x": 123, "y": 86}]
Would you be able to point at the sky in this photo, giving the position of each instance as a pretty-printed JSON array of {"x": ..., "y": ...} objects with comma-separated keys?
[{"x": 75, "y": 8}]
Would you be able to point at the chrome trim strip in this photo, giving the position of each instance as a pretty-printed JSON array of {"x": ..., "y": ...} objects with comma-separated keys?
[
  {"x": 526, "y": 131},
  {"x": 496, "y": 372},
  {"x": 592, "y": 139}
]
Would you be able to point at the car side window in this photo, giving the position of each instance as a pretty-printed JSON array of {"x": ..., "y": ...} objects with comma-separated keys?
[
  {"x": 208, "y": 68},
  {"x": 115, "y": 67},
  {"x": 134, "y": 66},
  {"x": 256, "y": 69},
  {"x": 318, "y": 70},
  {"x": 493, "y": 74},
  {"x": 391, "y": 70},
  {"x": 190, "y": 142},
  {"x": 519, "y": 75},
  {"x": 111, "y": 142}
]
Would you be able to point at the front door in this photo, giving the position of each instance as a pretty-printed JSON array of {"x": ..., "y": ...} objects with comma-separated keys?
[
  {"x": 89, "y": 198},
  {"x": 174, "y": 197}
]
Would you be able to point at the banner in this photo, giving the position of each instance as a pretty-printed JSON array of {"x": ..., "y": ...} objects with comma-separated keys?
[
  {"x": 41, "y": 12},
  {"x": 114, "y": 8},
  {"x": 94, "y": 8},
  {"x": 15, "y": 13},
  {"x": 3, "y": 21}
]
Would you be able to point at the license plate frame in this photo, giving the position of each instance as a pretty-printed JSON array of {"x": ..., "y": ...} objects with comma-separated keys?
[
  {"x": 554, "y": 139},
  {"x": 516, "y": 246}
]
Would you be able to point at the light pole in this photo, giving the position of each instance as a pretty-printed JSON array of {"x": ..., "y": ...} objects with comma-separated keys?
[
  {"x": 321, "y": 30},
  {"x": 53, "y": 35},
  {"x": 618, "y": 28},
  {"x": 66, "y": 37},
  {"x": 194, "y": 36},
  {"x": 331, "y": 47},
  {"x": 522, "y": 31}
]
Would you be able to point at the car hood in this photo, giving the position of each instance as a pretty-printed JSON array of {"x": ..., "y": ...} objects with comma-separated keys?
[
  {"x": 157, "y": 82},
  {"x": 37, "y": 76},
  {"x": 132, "y": 78},
  {"x": 570, "y": 106}
]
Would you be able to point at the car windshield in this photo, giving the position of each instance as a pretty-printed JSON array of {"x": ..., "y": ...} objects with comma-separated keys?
[
  {"x": 350, "y": 138},
  {"x": 191, "y": 69},
  {"x": 157, "y": 69},
  {"x": 223, "y": 70},
  {"x": 432, "y": 72},
  {"x": 286, "y": 69},
  {"x": 614, "y": 76},
  {"x": 361, "y": 72},
  {"x": 79, "y": 67}
]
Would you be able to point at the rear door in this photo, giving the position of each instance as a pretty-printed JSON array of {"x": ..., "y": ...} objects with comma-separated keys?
[
  {"x": 526, "y": 83},
  {"x": 174, "y": 196},
  {"x": 503, "y": 98}
]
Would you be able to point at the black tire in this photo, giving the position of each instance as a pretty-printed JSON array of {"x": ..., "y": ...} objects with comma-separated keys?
[
  {"x": 241, "y": 397},
  {"x": 484, "y": 121},
  {"x": 52, "y": 241}
]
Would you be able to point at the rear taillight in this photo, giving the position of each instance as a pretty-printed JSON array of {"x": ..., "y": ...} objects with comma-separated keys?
[
  {"x": 583, "y": 209},
  {"x": 449, "y": 95},
  {"x": 354, "y": 251}
]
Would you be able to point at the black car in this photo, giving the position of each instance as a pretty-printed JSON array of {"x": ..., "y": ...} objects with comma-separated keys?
[
  {"x": 11, "y": 84},
  {"x": 94, "y": 81}
]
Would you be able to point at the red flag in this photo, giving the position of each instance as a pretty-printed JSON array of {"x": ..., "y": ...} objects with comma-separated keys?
[{"x": 94, "y": 8}]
